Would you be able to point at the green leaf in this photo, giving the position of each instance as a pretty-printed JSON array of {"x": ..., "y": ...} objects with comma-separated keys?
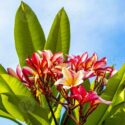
[
  {"x": 28, "y": 33},
  {"x": 3, "y": 111},
  {"x": 86, "y": 84},
  {"x": 114, "y": 87},
  {"x": 2, "y": 70},
  {"x": 8, "y": 116},
  {"x": 5, "y": 114},
  {"x": 41, "y": 120},
  {"x": 117, "y": 115},
  {"x": 59, "y": 35},
  {"x": 18, "y": 101},
  {"x": 12, "y": 109}
]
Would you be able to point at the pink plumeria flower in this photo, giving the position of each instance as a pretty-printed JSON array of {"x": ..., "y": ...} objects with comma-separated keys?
[
  {"x": 77, "y": 62},
  {"x": 82, "y": 96},
  {"x": 70, "y": 78}
]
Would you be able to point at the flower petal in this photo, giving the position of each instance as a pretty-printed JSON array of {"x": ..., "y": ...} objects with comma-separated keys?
[
  {"x": 36, "y": 59},
  {"x": 88, "y": 74},
  {"x": 100, "y": 64},
  {"x": 60, "y": 81},
  {"x": 74, "y": 90},
  {"x": 78, "y": 78},
  {"x": 84, "y": 57},
  {"x": 12, "y": 72},
  {"x": 27, "y": 71},
  {"x": 90, "y": 62},
  {"x": 19, "y": 72},
  {"x": 68, "y": 76},
  {"x": 104, "y": 101},
  {"x": 57, "y": 57},
  {"x": 82, "y": 91}
]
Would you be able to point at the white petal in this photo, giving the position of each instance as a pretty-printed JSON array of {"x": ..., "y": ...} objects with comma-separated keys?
[
  {"x": 60, "y": 81},
  {"x": 104, "y": 101},
  {"x": 67, "y": 75},
  {"x": 66, "y": 87},
  {"x": 78, "y": 79}
]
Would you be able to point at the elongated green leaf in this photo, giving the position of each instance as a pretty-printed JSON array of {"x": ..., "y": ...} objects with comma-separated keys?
[
  {"x": 2, "y": 70},
  {"x": 12, "y": 109},
  {"x": 86, "y": 84},
  {"x": 29, "y": 36},
  {"x": 5, "y": 114},
  {"x": 19, "y": 101},
  {"x": 117, "y": 115},
  {"x": 59, "y": 36},
  {"x": 8, "y": 116},
  {"x": 112, "y": 92},
  {"x": 3, "y": 111},
  {"x": 37, "y": 118}
]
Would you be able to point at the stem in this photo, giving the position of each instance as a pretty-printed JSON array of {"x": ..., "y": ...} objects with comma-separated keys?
[
  {"x": 66, "y": 118},
  {"x": 58, "y": 102},
  {"x": 72, "y": 117},
  {"x": 69, "y": 115},
  {"x": 51, "y": 111}
]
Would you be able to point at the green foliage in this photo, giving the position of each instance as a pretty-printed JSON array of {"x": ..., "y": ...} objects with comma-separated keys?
[
  {"x": 2, "y": 70},
  {"x": 113, "y": 92},
  {"x": 29, "y": 36},
  {"x": 117, "y": 115},
  {"x": 59, "y": 36},
  {"x": 19, "y": 102}
]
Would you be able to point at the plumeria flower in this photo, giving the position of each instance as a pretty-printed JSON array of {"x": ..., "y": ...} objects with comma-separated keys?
[
  {"x": 47, "y": 64},
  {"x": 82, "y": 96},
  {"x": 77, "y": 62},
  {"x": 98, "y": 66},
  {"x": 70, "y": 78}
]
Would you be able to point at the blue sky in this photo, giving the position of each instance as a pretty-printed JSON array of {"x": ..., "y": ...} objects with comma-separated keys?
[{"x": 96, "y": 26}]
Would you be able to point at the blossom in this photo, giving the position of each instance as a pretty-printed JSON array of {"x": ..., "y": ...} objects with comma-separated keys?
[
  {"x": 70, "y": 78},
  {"x": 77, "y": 62},
  {"x": 47, "y": 63},
  {"x": 91, "y": 65},
  {"x": 79, "y": 93}
]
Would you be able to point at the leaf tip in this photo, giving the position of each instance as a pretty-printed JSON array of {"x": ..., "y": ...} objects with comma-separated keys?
[{"x": 22, "y": 5}]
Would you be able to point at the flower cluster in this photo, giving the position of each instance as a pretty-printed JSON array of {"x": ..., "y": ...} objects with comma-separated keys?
[{"x": 46, "y": 70}]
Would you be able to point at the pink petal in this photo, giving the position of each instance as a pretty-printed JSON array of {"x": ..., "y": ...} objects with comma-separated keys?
[
  {"x": 88, "y": 74},
  {"x": 27, "y": 71},
  {"x": 82, "y": 91},
  {"x": 90, "y": 61},
  {"x": 113, "y": 72},
  {"x": 100, "y": 64},
  {"x": 29, "y": 62},
  {"x": 57, "y": 56},
  {"x": 19, "y": 72},
  {"x": 74, "y": 90},
  {"x": 36, "y": 59},
  {"x": 104, "y": 101},
  {"x": 92, "y": 96},
  {"x": 84, "y": 57},
  {"x": 11, "y": 72},
  {"x": 77, "y": 97}
]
